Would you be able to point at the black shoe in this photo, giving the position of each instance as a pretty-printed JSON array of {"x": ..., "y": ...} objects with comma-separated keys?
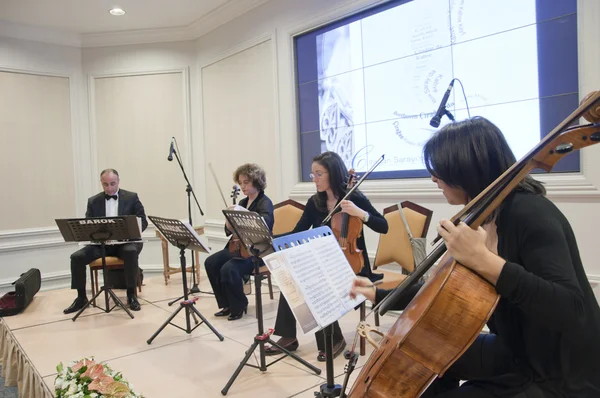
[
  {"x": 236, "y": 316},
  {"x": 223, "y": 312},
  {"x": 338, "y": 348},
  {"x": 78, "y": 304},
  {"x": 272, "y": 350},
  {"x": 133, "y": 303}
]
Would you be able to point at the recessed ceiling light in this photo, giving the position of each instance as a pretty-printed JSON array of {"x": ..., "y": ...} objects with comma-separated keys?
[{"x": 117, "y": 11}]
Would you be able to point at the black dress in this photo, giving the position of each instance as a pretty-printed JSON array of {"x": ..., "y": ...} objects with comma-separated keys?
[{"x": 312, "y": 217}]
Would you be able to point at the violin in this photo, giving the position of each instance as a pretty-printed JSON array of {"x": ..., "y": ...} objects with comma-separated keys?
[
  {"x": 347, "y": 229},
  {"x": 234, "y": 245},
  {"x": 452, "y": 307}
]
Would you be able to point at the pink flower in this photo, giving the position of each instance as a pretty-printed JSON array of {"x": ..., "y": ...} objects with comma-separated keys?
[
  {"x": 101, "y": 383},
  {"x": 82, "y": 363},
  {"x": 94, "y": 371}
]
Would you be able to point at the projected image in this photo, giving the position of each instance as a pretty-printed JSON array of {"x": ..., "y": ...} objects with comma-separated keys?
[
  {"x": 340, "y": 91},
  {"x": 380, "y": 77}
]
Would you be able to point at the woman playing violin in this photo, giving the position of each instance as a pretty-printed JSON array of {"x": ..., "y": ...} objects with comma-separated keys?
[
  {"x": 543, "y": 339},
  {"x": 330, "y": 175},
  {"x": 226, "y": 269}
]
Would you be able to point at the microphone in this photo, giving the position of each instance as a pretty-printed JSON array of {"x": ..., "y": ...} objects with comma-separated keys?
[
  {"x": 171, "y": 150},
  {"x": 437, "y": 118}
]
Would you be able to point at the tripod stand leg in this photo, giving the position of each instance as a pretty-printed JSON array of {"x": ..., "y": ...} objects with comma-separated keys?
[
  {"x": 240, "y": 367},
  {"x": 164, "y": 325},
  {"x": 294, "y": 356},
  {"x": 119, "y": 302},
  {"x": 176, "y": 300},
  {"x": 195, "y": 310}
]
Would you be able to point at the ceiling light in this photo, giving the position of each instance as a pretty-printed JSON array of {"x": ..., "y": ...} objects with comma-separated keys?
[{"x": 117, "y": 11}]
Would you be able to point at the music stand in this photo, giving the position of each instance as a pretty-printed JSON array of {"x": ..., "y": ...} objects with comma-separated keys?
[
  {"x": 183, "y": 237},
  {"x": 256, "y": 238},
  {"x": 99, "y": 230},
  {"x": 329, "y": 389}
]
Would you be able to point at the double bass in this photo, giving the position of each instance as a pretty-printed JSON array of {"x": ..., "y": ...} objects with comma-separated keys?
[{"x": 452, "y": 307}]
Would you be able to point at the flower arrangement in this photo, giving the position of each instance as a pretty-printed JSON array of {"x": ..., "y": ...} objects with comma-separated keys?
[{"x": 88, "y": 379}]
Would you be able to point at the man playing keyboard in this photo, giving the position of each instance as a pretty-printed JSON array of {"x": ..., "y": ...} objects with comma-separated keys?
[{"x": 110, "y": 203}]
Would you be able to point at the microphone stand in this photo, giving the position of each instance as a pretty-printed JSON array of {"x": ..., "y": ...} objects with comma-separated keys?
[{"x": 190, "y": 191}]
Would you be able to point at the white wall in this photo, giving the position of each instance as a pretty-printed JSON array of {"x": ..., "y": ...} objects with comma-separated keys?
[
  {"x": 42, "y": 246},
  {"x": 155, "y": 59}
]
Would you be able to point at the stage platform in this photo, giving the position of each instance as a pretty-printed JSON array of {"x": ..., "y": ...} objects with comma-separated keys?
[{"x": 175, "y": 364}]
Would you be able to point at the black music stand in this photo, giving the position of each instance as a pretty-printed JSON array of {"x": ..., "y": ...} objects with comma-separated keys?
[
  {"x": 98, "y": 230},
  {"x": 256, "y": 238},
  {"x": 183, "y": 237}
]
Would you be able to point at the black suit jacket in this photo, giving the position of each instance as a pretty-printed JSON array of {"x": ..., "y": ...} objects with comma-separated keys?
[{"x": 129, "y": 205}]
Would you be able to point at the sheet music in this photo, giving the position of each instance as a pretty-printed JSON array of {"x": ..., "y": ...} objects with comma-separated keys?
[
  {"x": 337, "y": 269},
  {"x": 320, "y": 281},
  {"x": 290, "y": 289}
]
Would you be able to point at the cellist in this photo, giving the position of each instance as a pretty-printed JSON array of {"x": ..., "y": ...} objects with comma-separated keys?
[
  {"x": 330, "y": 175},
  {"x": 544, "y": 334},
  {"x": 226, "y": 269}
]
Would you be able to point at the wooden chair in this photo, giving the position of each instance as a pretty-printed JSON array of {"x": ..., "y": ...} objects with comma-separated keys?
[
  {"x": 168, "y": 270},
  {"x": 286, "y": 215},
  {"x": 111, "y": 263},
  {"x": 395, "y": 247}
]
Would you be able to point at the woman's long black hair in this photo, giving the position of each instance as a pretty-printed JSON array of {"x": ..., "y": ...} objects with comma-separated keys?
[
  {"x": 470, "y": 155},
  {"x": 338, "y": 178}
]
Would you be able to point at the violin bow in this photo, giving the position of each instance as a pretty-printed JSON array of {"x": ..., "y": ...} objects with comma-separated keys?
[
  {"x": 217, "y": 182},
  {"x": 332, "y": 212}
]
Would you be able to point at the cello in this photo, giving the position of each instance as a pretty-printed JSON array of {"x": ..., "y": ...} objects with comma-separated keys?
[{"x": 455, "y": 303}]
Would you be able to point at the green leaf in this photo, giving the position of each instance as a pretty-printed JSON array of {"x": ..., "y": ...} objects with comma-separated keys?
[{"x": 59, "y": 367}]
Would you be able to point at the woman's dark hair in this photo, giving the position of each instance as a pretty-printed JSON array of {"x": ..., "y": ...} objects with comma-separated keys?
[
  {"x": 470, "y": 155},
  {"x": 254, "y": 172},
  {"x": 338, "y": 178}
]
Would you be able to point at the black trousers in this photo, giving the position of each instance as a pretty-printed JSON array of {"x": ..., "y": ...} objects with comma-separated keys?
[
  {"x": 285, "y": 325},
  {"x": 490, "y": 370},
  {"x": 127, "y": 252},
  {"x": 226, "y": 278}
]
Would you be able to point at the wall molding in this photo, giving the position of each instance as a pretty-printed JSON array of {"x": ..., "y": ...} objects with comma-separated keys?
[
  {"x": 62, "y": 279},
  {"x": 559, "y": 186},
  {"x": 253, "y": 42},
  {"x": 220, "y": 16},
  {"x": 48, "y": 237},
  {"x": 74, "y": 82},
  {"x": 185, "y": 91}
]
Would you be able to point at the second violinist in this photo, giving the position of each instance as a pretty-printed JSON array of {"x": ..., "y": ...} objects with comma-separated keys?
[
  {"x": 225, "y": 269},
  {"x": 330, "y": 176}
]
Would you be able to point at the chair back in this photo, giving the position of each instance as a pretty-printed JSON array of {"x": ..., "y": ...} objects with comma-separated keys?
[
  {"x": 395, "y": 246},
  {"x": 286, "y": 214}
]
